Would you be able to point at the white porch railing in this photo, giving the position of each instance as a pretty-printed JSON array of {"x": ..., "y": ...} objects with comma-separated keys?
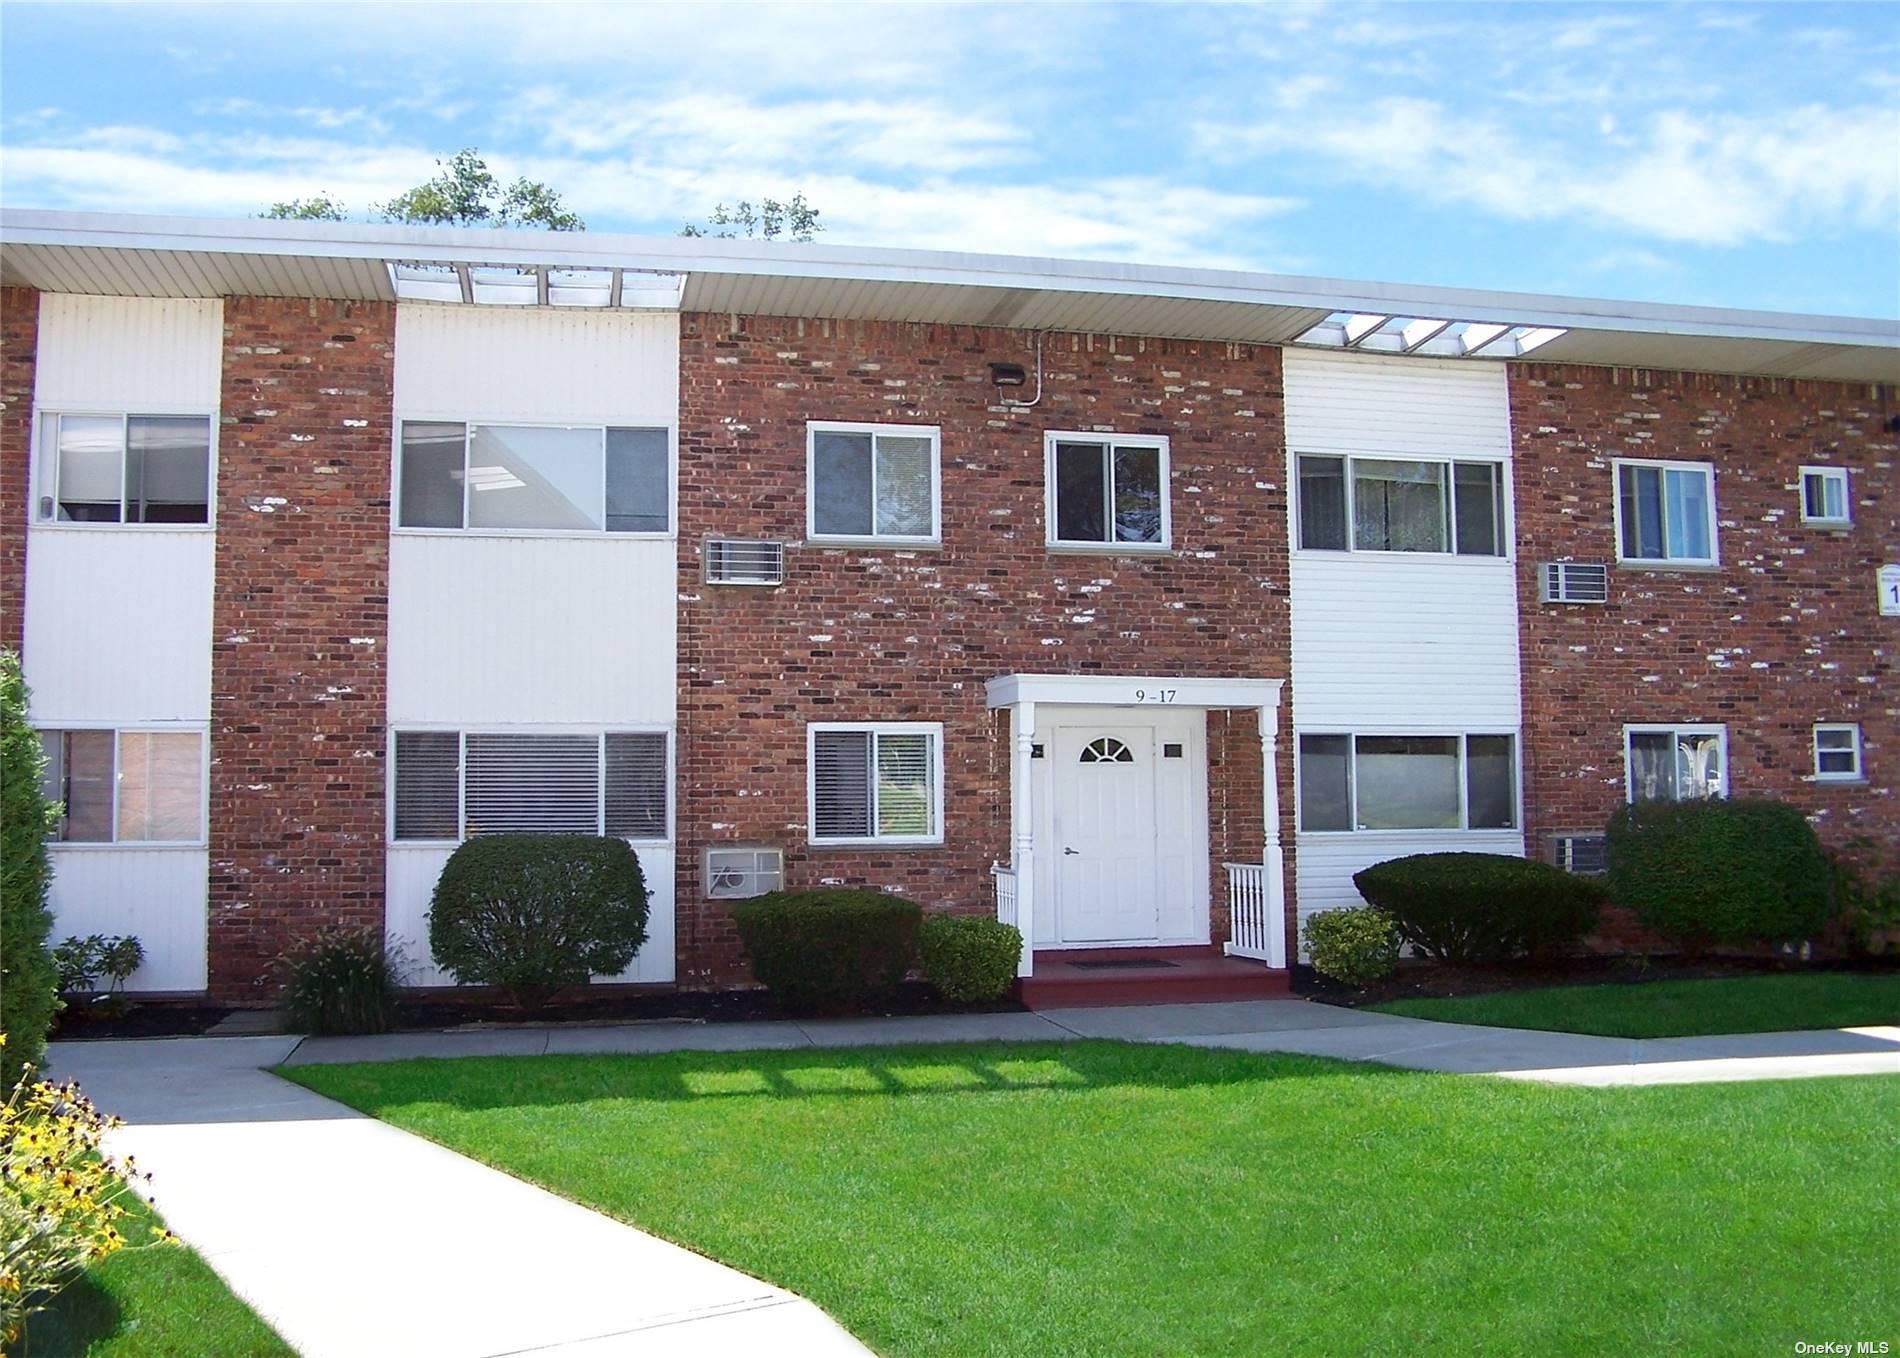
[
  {"x": 1005, "y": 880},
  {"x": 1255, "y": 928}
]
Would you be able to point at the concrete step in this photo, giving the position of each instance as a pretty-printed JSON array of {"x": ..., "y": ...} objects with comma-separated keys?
[{"x": 1066, "y": 978}]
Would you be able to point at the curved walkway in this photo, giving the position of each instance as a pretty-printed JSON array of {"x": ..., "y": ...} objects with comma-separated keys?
[{"x": 358, "y": 1240}]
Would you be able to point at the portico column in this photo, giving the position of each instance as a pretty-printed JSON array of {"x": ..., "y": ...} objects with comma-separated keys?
[
  {"x": 1022, "y": 826},
  {"x": 1273, "y": 855}
]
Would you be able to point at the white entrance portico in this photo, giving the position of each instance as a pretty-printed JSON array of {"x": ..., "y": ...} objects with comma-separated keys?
[{"x": 1109, "y": 827}]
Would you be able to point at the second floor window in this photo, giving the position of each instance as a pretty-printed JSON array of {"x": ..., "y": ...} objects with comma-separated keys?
[
  {"x": 875, "y": 482},
  {"x": 150, "y": 469},
  {"x": 1371, "y": 504},
  {"x": 534, "y": 478},
  {"x": 1109, "y": 491},
  {"x": 1665, "y": 512}
]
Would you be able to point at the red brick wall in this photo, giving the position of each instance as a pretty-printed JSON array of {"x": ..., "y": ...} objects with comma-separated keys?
[
  {"x": 19, "y": 346},
  {"x": 1783, "y": 634},
  {"x": 888, "y": 635},
  {"x": 299, "y": 629}
]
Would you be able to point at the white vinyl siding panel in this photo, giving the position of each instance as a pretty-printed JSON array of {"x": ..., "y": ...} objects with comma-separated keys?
[
  {"x": 156, "y": 893},
  {"x": 150, "y": 355},
  {"x": 536, "y": 365},
  {"x": 1324, "y": 863},
  {"x": 1354, "y": 403}
]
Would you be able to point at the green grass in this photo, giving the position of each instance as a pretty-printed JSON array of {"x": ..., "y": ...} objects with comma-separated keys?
[
  {"x": 156, "y": 1302},
  {"x": 1740, "y": 1004},
  {"x": 1103, "y": 1199}
]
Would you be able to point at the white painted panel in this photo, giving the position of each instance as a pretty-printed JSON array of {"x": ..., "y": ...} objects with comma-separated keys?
[
  {"x": 157, "y": 894},
  {"x": 133, "y": 354},
  {"x": 410, "y": 883},
  {"x": 466, "y": 362},
  {"x": 531, "y": 630},
  {"x": 1325, "y": 863},
  {"x": 1404, "y": 641},
  {"x": 118, "y": 624},
  {"x": 1355, "y": 403}
]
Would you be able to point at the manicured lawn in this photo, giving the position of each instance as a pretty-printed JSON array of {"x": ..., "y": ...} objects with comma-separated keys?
[
  {"x": 1741, "y": 1004},
  {"x": 162, "y": 1302},
  {"x": 1102, "y": 1199}
]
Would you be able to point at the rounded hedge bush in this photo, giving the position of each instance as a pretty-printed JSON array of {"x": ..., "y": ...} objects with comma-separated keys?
[
  {"x": 535, "y": 914},
  {"x": 1720, "y": 871},
  {"x": 829, "y": 950},
  {"x": 1482, "y": 907},
  {"x": 970, "y": 958},
  {"x": 1356, "y": 946}
]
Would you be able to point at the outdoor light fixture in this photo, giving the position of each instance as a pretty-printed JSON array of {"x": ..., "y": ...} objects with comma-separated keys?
[{"x": 1008, "y": 374}]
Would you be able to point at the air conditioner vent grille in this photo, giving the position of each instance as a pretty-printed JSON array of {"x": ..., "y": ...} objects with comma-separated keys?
[
  {"x": 744, "y": 561},
  {"x": 1581, "y": 854},
  {"x": 734, "y": 874},
  {"x": 1573, "y": 582}
]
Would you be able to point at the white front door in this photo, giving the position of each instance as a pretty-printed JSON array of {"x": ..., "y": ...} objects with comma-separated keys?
[{"x": 1104, "y": 845}]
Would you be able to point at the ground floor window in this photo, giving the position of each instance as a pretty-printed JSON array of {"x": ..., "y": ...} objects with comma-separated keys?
[
  {"x": 1837, "y": 750},
  {"x": 450, "y": 784},
  {"x": 126, "y": 786},
  {"x": 1408, "y": 782},
  {"x": 878, "y": 783},
  {"x": 1676, "y": 763}
]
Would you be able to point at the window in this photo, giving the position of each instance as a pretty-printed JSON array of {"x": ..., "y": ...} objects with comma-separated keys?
[
  {"x": 1367, "y": 504},
  {"x": 534, "y": 478},
  {"x": 872, "y": 481},
  {"x": 150, "y": 469},
  {"x": 1837, "y": 751},
  {"x": 1665, "y": 511},
  {"x": 126, "y": 787},
  {"x": 1676, "y": 763},
  {"x": 450, "y": 784},
  {"x": 1107, "y": 750},
  {"x": 1393, "y": 782},
  {"x": 1824, "y": 496},
  {"x": 1107, "y": 491},
  {"x": 876, "y": 783}
]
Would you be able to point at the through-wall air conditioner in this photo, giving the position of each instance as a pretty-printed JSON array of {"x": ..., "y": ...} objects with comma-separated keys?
[
  {"x": 1581, "y": 854},
  {"x": 744, "y": 561},
  {"x": 733, "y": 874},
  {"x": 1573, "y": 582}
]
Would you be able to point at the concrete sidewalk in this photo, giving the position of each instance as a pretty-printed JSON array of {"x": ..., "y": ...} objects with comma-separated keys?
[
  {"x": 1286, "y": 1025},
  {"x": 356, "y": 1240}
]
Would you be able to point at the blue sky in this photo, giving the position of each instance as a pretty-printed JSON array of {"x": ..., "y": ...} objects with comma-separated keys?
[{"x": 1729, "y": 154}]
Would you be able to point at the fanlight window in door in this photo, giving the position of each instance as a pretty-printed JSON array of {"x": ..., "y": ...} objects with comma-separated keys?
[{"x": 1107, "y": 750}]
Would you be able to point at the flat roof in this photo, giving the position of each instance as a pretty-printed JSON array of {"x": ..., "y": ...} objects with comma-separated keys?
[{"x": 150, "y": 256}]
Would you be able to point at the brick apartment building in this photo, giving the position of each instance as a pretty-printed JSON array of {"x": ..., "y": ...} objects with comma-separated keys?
[{"x": 1142, "y": 606}]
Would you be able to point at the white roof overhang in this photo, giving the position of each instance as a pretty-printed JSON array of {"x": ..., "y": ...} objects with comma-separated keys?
[{"x": 198, "y": 257}]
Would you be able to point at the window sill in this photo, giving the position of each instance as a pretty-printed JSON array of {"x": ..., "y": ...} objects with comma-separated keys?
[
  {"x": 1671, "y": 567},
  {"x": 1829, "y": 525},
  {"x": 875, "y": 544},
  {"x": 42, "y": 526},
  {"x": 1838, "y": 779},
  {"x": 1428, "y": 830},
  {"x": 542, "y": 534},
  {"x": 936, "y": 843},
  {"x": 1369, "y": 554},
  {"x": 1158, "y": 549},
  {"x": 126, "y": 845}
]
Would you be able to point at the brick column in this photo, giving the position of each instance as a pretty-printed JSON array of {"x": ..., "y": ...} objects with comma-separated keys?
[
  {"x": 299, "y": 630},
  {"x": 19, "y": 345}
]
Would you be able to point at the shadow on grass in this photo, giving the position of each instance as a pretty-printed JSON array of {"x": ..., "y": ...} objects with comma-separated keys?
[
  {"x": 81, "y": 1315},
  {"x": 878, "y": 1073}
]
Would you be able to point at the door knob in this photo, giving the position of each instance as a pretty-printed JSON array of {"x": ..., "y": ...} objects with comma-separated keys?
[{"x": 1070, "y": 852}]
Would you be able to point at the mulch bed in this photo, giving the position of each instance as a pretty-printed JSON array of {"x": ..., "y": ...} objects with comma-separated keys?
[
  {"x": 622, "y": 1006},
  {"x": 152, "y": 1018},
  {"x": 1420, "y": 978}
]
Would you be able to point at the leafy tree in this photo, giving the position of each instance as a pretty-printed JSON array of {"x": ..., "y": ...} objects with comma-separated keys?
[
  {"x": 466, "y": 193},
  {"x": 28, "y": 979},
  {"x": 322, "y": 208},
  {"x": 795, "y": 219}
]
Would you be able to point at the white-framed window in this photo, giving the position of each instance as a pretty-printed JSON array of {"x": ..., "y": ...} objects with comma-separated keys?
[
  {"x": 1824, "y": 497},
  {"x": 1383, "y": 504},
  {"x": 117, "y": 468},
  {"x": 1837, "y": 751},
  {"x": 1107, "y": 492},
  {"x": 1665, "y": 512},
  {"x": 875, "y": 782},
  {"x": 534, "y": 478},
  {"x": 126, "y": 785},
  {"x": 1351, "y": 782},
  {"x": 447, "y": 785},
  {"x": 1675, "y": 763},
  {"x": 876, "y": 483}
]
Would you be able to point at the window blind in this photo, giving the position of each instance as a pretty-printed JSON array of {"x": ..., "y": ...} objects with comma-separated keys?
[
  {"x": 636, "y": 784},
  {"x": 428, "y": 784},
  {"x": 536, "y": 784},
  {"x": 841, "y": 784},
  {"x": 904, "y": 784}
]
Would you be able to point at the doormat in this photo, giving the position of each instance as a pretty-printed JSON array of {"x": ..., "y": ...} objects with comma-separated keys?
[{"x": 1124, "y": 964}]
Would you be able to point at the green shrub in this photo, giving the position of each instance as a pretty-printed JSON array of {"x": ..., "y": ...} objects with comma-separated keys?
[
  {"x": 829, "y": 950},
  {"x": 1482, "y": 907},
  {"x": 970, "y": 958},
  {"x": 1720, "y": 871},
  {"x": 1356, "y": 946},
  {"x": 82, "y": 961},
  {"x": 29, "y": 982},
  {"x": 535, "y": 914},
  {"x": 1867, "y": 891},
  {"x": 342, "y": 979}
]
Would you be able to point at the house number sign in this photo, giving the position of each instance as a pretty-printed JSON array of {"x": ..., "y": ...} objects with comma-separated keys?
[
  {"x": 1155, "y": 695},
  {"x": 1890, "y": 591}
]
